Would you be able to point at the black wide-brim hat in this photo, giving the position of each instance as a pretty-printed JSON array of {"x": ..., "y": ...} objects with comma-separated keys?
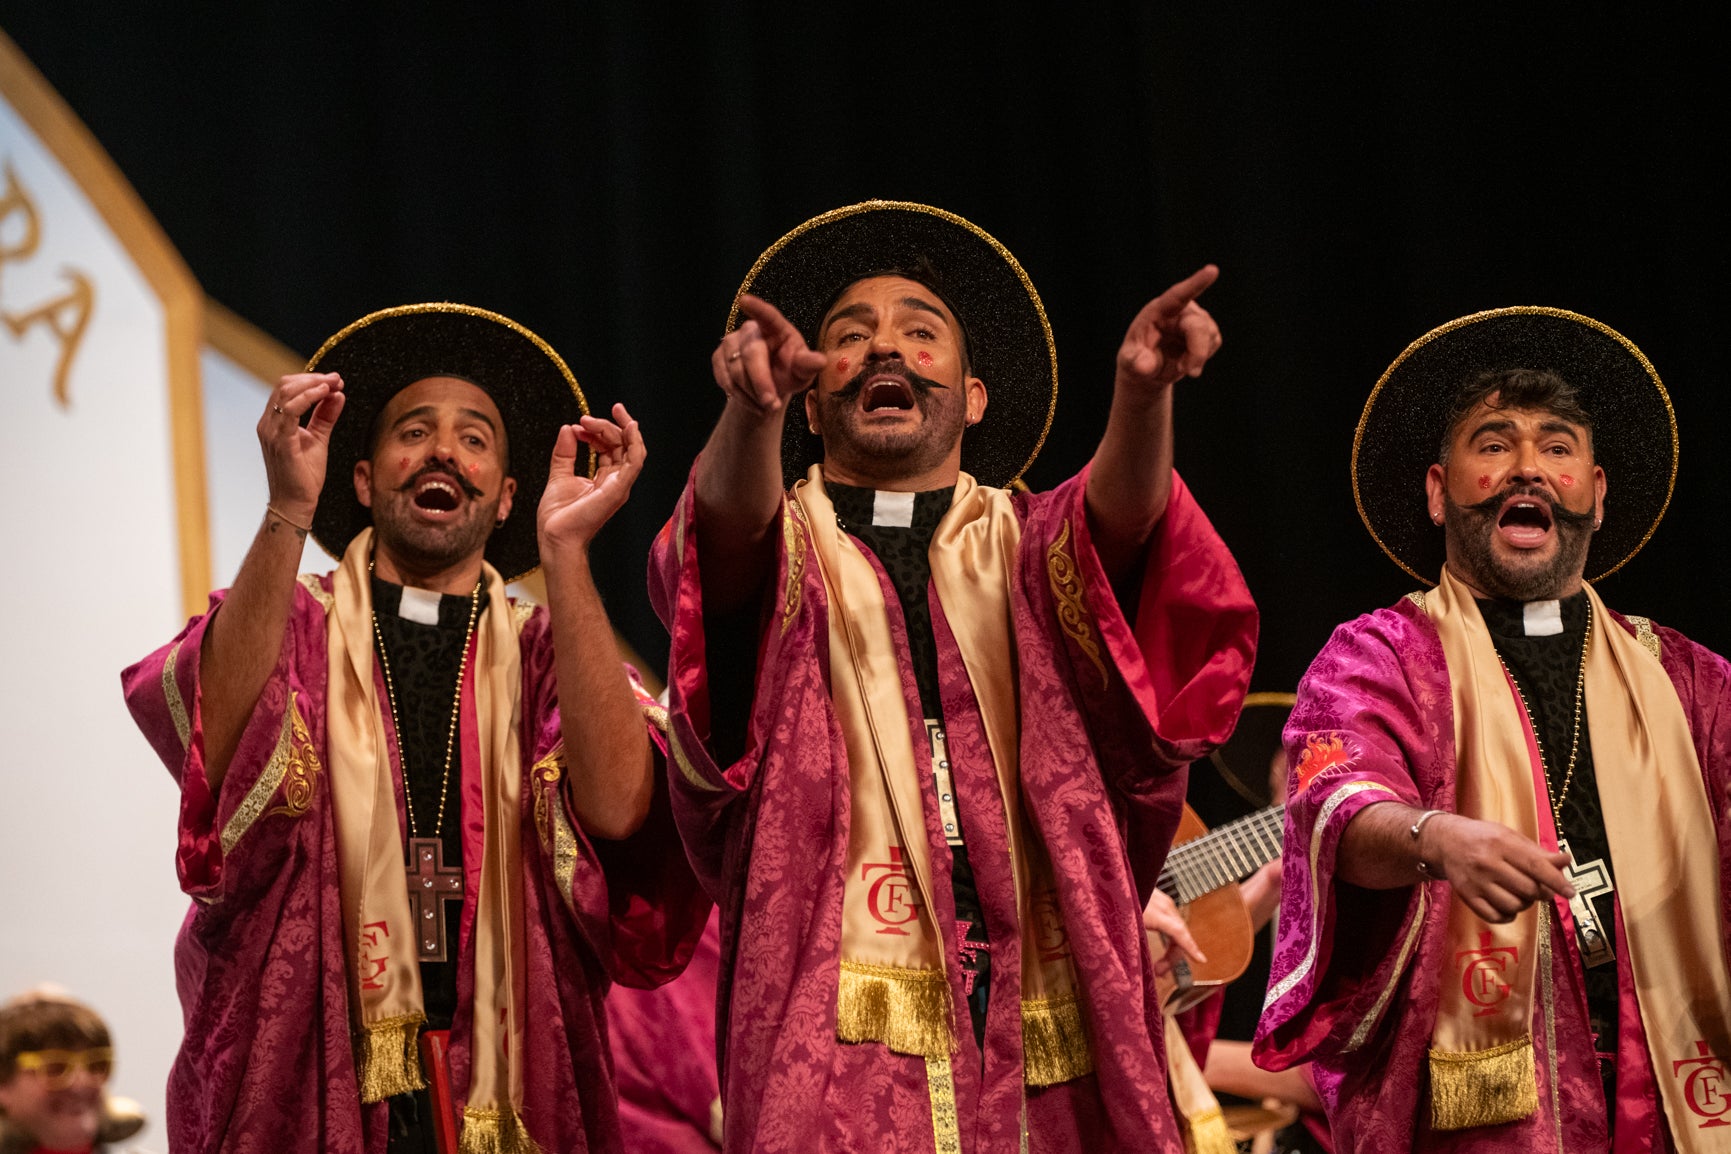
[
  {"x": 1401, "y": 431},
  {"x": 1009, "y": 338},
  {"x": 385, "y": 352},
  {"x": 1244, "y": 759}
]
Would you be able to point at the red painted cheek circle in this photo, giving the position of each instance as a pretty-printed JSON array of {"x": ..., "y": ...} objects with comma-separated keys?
[
  {"x": 403, "y": 464},
  {"x": 925, "y": 360},
  {"x": 473, "y": 469},
  {"x": 1566, "y": 479},
  {"x": 842, "y": 364},
  {"x": 1484, "y": 482}
]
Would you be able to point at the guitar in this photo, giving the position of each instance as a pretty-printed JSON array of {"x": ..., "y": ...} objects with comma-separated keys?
[{"x": 1201, "y": 876}]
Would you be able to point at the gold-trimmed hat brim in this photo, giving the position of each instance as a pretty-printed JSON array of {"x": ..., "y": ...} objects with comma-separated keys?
[
  {"x": 386, "y": 351},
  {"x": 1009, "y": 335},
  {"x": 1400, "y": 432}
]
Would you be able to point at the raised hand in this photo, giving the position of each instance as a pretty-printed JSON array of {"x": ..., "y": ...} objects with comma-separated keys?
[
  {"x": 765, "y": 360},
  {"x": 1171, "y": 337},
  {"x": 294, "y": 457},
  {"x": 1495, "y": 871},
  {"x": 574, "y": 507}
]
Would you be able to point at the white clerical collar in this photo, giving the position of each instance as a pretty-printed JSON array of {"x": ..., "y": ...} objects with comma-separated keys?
[
  {"x": 893, "y": 510},
  {"x": 422, "y": 605},
  {"x": 1542, "y": 618}
]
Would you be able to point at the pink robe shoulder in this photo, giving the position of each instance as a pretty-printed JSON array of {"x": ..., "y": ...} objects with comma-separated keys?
[
  {"x": 266, "y": 1063},
  {"x": 1112, "y": 714}
]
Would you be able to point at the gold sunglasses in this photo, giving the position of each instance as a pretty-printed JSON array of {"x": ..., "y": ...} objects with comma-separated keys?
[{"x": 58, "y": 1067}]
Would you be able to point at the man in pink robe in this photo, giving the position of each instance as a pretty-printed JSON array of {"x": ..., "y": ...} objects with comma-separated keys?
[
  {"x": 1114, "y": 704},
  {"x": 269, "y": 1060},
  {"x": 1365, "y": 949}
]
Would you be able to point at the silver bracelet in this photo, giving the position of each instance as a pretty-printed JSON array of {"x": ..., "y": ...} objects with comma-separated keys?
[{"x": 1423, "y": 866}]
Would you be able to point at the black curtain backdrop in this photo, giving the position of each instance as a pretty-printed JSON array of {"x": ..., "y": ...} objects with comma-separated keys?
[{"x": 607, "y": 172}]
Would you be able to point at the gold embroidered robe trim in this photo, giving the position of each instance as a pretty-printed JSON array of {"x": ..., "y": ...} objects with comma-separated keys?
[
  {"x": 293, "y": 746},
  {"x": 176, "y": 703},
  {"x": 1065, "y": 577},
  {"x": 558, "y": 837}
]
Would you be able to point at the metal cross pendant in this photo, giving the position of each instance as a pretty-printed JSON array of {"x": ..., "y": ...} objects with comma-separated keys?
[
  {"x": 1591, "y": 880},
  {"x": 432, "y": 883}
]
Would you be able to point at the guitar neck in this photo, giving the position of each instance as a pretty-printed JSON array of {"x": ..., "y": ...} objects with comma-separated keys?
[{"x": 1223, "y": 856}]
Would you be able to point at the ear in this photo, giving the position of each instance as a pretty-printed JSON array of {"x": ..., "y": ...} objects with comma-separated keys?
[
  {"x": 507, "y": 491},
  {"x": 1435, "y": 487},
  {"x": 811, "y": 421},
  {"x": 364, "y": 482},
  {"x": 1598, "y": 495},
  {"x": 976, "y": 393}
]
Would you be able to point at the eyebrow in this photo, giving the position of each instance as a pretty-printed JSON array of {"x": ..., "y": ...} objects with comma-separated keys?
[{"x": 862, "y": 309}]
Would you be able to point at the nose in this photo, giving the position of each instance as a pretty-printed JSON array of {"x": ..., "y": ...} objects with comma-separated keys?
[
  {"x": 884, "y": 345},
  {"x": 1526, "y": 466}
]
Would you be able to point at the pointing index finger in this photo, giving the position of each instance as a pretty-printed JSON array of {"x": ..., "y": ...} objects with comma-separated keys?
[
  {"x": 776, "y": 327},
  {"x": 1175, "y": 298}
]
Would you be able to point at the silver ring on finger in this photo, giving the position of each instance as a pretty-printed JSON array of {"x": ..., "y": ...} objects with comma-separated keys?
[{"x": 277, "y": 409}]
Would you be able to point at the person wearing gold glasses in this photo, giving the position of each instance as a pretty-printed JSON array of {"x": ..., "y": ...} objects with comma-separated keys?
[{"x": 55, "y": 1059}]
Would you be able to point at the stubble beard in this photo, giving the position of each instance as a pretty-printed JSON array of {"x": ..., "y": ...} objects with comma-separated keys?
[
  {"x": 891, "y": 453},
  {"x": 1469, "y": 530},
  {"x": 431, "y": 548}
]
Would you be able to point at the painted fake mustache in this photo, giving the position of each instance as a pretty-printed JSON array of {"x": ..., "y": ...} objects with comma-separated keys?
[
  {"x": 1492, "y": 506},
  {"x": 446, "y": 469},
  {"x": 919, "y": 385}
]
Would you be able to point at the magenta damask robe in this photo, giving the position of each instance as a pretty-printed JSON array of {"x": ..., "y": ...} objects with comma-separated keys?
[
  {"x": 266, "y": 1063},
  {"x": 1110, "y": 716},
  {"x": 1360, "y": 1000}
]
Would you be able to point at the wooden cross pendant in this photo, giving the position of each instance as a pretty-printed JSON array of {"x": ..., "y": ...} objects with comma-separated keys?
[
  {"x": 1591, "y": 880},
  {"x": 432, "y": 883}
]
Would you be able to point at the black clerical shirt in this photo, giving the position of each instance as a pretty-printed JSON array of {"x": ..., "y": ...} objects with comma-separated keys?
[{"x": 1548, "y": 670}]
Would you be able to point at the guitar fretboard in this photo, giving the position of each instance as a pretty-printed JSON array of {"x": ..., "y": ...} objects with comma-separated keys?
[{"x": 1223, "y": 856}]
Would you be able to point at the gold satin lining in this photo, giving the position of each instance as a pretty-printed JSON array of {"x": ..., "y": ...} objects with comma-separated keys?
[
  {"x": 286, "y": 753},
  {"x": 171, "y": 694},
  {"x": 1194, "y": 1104}
]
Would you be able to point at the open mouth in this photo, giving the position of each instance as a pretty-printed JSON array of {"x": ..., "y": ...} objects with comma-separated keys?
[
  {"x": 1525, "y": 521},
  {"x": 434, "y": 495},
  {"x": 887, "y": 393}
]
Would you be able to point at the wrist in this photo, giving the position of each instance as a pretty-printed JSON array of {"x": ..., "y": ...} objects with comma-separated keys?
[
  {"x": 296, "y": 515},
  {"x": 1425, "y": 842}
]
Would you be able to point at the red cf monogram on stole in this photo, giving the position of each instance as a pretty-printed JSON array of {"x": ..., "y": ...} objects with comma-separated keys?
[
  {"x": 1704, "y": 1087},
  {"x": 370, "y": 934},
  {"x": 892, "y": 899},
  {"x": 1481, "y": 976}
]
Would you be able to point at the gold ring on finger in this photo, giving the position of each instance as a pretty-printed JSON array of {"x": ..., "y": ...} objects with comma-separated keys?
[
  {"x": 734, "y": 355},
  {"x": 277, "y": 409}
]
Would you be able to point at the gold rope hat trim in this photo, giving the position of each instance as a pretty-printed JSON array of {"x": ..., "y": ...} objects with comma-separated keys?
[
  {"x": 1054, "y": 1041},
  {"x": 1021, "y": 274},
  {"x": 905, "y": 1009},
  {"x": 1484, "y": 1087},
  {"x": 1488, "y": 314},
  {"x": 388, "y": 1059}
]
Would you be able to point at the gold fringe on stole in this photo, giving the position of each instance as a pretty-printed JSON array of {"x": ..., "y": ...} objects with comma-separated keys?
[
  {"x": 1207, "y": 1134},
  {"x": 487, "y": 1131},
  {"x": 1054, "y": 1041},
  {"x": 1483, "y": 1088},
  {"x": 941, "y": 1088},
  {"x": 907, "y": 1010},
  {"x": 388, "y": 1057}
]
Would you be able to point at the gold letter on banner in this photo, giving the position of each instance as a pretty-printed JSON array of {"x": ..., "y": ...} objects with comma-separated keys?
[{"x": 65, "y": 316}]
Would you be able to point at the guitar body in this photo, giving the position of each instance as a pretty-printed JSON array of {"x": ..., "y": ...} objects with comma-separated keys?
[{"x": 1220, "y": 923}]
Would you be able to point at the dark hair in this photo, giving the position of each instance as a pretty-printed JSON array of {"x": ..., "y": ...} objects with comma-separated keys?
[
  {"x": 922, "y": 272},
  {"x": 41, "y": 1021},
  {"x": 1519, "y": 389}
]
